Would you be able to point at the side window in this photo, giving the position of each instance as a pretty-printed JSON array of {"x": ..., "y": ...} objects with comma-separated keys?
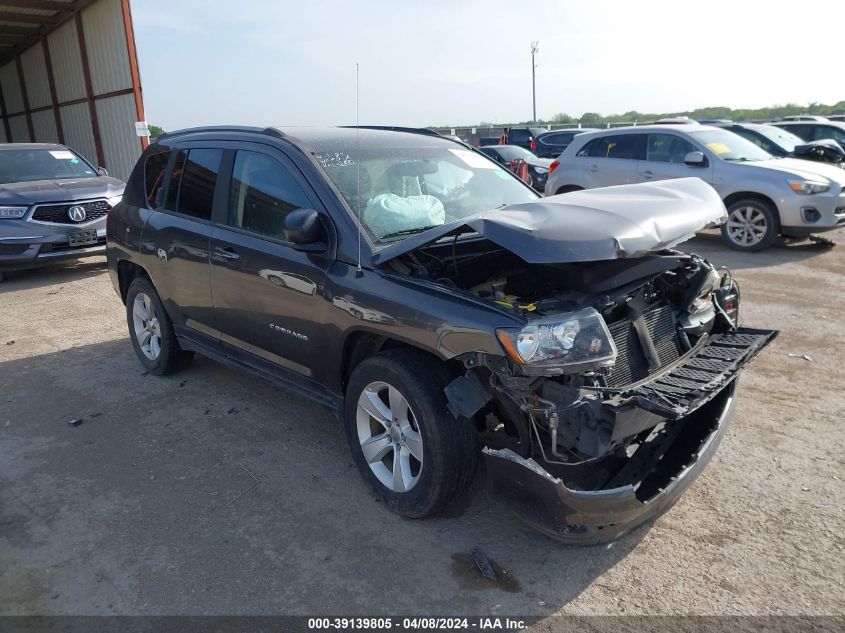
[
  {"x": 618, "y": 146},
  {"x": 759, "y": 141},
  {"x": 192, "y": 183},
  {"x": 262, "y": 193},
  {"x": 667, "y": 148},
  {"x": 825, "y": 131},
  {"x": 518, "y": 136},
  {"x": 154, "y": 168},
  {"x": 804, "y": 131}
]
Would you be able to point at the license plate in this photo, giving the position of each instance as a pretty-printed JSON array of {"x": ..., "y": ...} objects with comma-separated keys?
[{"x": 82, "y": 238}]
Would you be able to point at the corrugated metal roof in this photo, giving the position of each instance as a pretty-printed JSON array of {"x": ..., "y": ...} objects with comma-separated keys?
[{"x": 24, "y": 22}]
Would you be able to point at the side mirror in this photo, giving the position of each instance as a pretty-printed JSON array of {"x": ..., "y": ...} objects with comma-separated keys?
[
  {"x": 102, "y": 171},
  {"x": 695, "y": 159},
  {"x": 303, "y": 228}
]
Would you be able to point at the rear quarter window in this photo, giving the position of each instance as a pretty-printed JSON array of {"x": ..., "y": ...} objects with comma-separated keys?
[{"x": 155, "y": 167}]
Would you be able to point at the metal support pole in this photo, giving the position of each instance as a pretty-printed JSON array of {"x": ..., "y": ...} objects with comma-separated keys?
[{"x": 534, "y": 49}]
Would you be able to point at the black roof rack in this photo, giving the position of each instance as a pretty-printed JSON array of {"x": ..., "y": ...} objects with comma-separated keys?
[
  {"x": 395, "y": 128},
  {"x": 243, "y": 129}
]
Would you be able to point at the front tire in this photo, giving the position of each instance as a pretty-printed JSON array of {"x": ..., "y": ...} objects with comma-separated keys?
[
  {"x": 752, "y": 225},
  {"x": 414, "y": 453},
  {"x": 151, "y": 330}
]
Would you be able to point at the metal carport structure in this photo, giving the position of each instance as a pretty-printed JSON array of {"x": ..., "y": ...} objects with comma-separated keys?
[{"x": 69, "y": 74}]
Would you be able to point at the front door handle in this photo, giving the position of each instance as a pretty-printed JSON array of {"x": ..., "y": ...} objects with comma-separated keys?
[
  {"x": 227, "y": 253},
  {"x": 594, "y": 168},
  {"x": 648, "y": 174}
]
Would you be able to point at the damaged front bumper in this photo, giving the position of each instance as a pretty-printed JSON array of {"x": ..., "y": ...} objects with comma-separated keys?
[{"x": 688, "y": 407}]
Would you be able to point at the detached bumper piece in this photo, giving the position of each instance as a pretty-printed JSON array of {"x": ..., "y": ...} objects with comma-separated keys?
[
  {"x": 655, "y": 481},
  {"x": 701, "y": 375}
]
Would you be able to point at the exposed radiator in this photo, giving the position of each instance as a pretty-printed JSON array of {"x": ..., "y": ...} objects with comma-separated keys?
[{"x": 631, "y": 363}]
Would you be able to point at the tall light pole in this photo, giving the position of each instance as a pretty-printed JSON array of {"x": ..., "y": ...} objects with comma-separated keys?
[{"x": 535, "y": 47}]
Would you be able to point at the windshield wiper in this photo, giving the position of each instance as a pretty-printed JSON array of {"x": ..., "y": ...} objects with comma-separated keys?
[{"x": 418, "y": 229}]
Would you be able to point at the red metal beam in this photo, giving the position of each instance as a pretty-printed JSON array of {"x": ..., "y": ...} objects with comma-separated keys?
[
  {"x": 51, "y": 81},
  {"x": 25, "y": 98},
  {"x": 89, "y": 92},
  {"x": 129, "y": 32}
]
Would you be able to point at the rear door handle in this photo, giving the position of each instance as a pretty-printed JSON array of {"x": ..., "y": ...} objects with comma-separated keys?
[
  {"x": 648, "y": 174},
  {"x": 227, "y": 253},
  {"x": 594, "y": 168}
]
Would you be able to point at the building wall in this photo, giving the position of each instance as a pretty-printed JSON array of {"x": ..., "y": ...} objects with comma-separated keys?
[{"x": 95, "y": 96}]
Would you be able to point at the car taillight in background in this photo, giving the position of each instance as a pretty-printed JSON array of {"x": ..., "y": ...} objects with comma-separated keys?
[
  {"x": 533, "y": 144},
  {"x": 554, "y": 165}
]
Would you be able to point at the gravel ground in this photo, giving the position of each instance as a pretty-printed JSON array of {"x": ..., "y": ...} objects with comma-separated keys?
[{"x": 137, "y": 509}]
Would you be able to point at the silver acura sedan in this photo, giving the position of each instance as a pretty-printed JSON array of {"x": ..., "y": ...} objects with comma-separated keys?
[
  {"x": 53, "y": 205},
  {"x": 765, "y": 196}
]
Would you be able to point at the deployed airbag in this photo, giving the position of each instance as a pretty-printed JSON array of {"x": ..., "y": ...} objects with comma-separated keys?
[{"x": 388, "y": 213}]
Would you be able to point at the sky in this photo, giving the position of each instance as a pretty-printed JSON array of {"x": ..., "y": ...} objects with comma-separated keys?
[{"x": 438, "y": 62}]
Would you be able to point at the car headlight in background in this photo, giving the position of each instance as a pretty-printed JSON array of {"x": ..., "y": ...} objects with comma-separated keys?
[
  {"x": 568, "y": 342},
  {"x": 541, "y": 170},
  {"x": 807, "y": 187},
  {"x": 114, "y": 200},
  {"x": 12, "y": 213}
]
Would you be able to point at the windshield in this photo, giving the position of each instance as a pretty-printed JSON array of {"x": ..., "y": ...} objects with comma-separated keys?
[
  {"x": 513, "y": 152},
  {"x": 780, "y": 137},
  {"x": 25, "y": 165},
  {"x": 399, "y": 191},
  {"x": 729, "y": 146}
]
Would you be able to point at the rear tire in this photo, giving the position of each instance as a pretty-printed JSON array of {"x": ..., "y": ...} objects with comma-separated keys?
[
  {"x": 752, "y": 225},
  {"x": 151, "y": 330},
  {"x": 395, "y": 408}
]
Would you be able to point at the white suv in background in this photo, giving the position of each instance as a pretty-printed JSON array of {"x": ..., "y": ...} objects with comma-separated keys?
[{"x": 765, "y": 196}]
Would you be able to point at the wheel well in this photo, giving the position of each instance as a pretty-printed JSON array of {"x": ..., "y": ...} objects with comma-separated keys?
[
  {"x": 360, "y": 345},
  {"x": 742, "y": 195},
  {"x": 567, "y": 189},
  {"x": 126, "y": 272}
]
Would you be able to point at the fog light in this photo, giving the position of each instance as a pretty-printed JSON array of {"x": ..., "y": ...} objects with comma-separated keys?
[{"x": 811, "y": 215}]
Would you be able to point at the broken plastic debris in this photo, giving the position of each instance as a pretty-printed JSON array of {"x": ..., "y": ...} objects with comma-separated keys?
[
  {"x": 483, "y": 564},
  {"x": 10, "y": 342},
  {"x": 804, "y": 356},
  {"x": 74, "y": 422}
]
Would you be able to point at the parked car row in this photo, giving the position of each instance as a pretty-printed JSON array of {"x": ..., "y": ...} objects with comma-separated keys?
[{"x": 765, "y": 196}]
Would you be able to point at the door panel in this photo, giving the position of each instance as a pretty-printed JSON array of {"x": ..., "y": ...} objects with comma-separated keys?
[
  {"x": 611, "y": 160},
  {"x": 665, "y": 155},
  {"x": 268, "y": 297},
  {"x": 177, "y": 238}
]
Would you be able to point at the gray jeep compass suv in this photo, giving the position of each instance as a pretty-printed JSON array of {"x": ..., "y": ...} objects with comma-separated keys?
[
  {"x": 444, "y": 310},
  {"x": 53, "y": 205}
]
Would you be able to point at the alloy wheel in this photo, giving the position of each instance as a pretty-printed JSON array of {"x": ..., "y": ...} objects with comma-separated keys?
[
  {"x": 390, "y": 436},
  {"x": 747, "y": 226},
  {"x": 147, "y": 328}
]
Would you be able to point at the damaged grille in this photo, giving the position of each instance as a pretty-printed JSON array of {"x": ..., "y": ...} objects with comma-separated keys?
[
  {"x": 631, "y": 363},
  {"x": 692, "y": 383},
  {"x": 57, "y": 213}
]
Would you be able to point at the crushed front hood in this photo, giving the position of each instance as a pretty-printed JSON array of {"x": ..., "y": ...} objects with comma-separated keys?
[{"x": 590, "y": 225}]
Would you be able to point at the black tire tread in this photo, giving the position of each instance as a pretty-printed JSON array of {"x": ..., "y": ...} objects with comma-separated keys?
[
  {"x": 458, "y": 453},
  {"x": 172, "y": 358}
]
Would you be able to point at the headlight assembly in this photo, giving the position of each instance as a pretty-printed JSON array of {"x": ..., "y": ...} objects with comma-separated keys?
[
  {"x": 808, "y": 187},
  {"x": 541, "y": 170},
  {"x": 12, "y": 213},
  {"x": 114, "y": 200},
  {"x": 566, "y": 343}
]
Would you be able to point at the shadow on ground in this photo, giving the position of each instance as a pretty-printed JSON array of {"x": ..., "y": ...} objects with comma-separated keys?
[
  {"x": 60, "y": 272},
  {"x": 210, "y": 492}
]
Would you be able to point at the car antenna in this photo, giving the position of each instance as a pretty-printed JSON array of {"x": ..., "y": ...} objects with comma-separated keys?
[{"x": 359, "y": 272}]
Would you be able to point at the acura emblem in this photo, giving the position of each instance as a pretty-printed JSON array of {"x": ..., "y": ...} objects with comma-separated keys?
[{"x": 76, "y": 213}]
